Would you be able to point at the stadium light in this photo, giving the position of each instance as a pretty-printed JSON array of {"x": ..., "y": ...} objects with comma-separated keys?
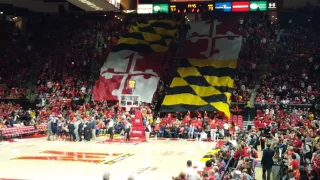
[
  {"x": 92, "y": 5},
  {"x": 1, "y": 12}
]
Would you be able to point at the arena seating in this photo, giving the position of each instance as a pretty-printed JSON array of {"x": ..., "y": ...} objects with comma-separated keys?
[
  {"x": 14, "y": 63},
  {"x": 294, "y": 76},
  {"x": 22, "y": 131}
]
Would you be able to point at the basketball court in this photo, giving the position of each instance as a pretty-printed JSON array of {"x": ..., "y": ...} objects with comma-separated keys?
[{"x": 39, "y": 159}]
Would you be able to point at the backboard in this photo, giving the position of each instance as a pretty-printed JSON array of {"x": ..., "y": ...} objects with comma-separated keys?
[{"x": 129, "y": 101}]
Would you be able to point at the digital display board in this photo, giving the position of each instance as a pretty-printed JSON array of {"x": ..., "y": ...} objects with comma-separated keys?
[
  {"x": 223, "y": 6},
  {"x": 210, "y": 7},
  {"x": 254, "y": 5},
  {"x": 173, "y": 8},
  {"x": 240, "y": 6},
  {"x": 190, "y": 7},
  {"x": 272, "y": 5},
  {"x": 145, "y": 8},
  {"x": 160, "y": 8}
]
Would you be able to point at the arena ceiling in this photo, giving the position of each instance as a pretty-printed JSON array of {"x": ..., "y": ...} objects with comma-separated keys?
[{"x": 45, "y": 5}]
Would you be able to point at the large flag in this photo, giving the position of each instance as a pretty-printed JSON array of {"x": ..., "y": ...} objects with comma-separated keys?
[
  {"x": 204, "y": 80},
  {"x": 138, "y": 56}
]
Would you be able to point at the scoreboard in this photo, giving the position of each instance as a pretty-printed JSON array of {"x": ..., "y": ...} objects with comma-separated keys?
[
  {"x": 217, "y": 6},
  {"x": 191, "y": 7}
]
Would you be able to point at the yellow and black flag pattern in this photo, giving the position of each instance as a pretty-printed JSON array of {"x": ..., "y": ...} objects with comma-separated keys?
[
  {"x": 203, "y": 85},
  {"x": 167, "y": 29},
  {"x": 155, "y": 36}
]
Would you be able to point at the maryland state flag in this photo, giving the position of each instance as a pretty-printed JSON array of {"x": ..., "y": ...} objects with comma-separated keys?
[
  {"x": 205, "y": 79},
  {"x": 139, "y": 56}
]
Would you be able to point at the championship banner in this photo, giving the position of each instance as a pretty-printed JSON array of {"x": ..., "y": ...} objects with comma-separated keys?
[
  {"x": 205, "y": 79},
  {"x": 138, "y": 57}
]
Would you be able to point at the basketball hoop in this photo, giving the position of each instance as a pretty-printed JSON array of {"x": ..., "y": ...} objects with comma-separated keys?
[
  {"x": 128, "y": 108},
  {"x": 129, "y": 101}
]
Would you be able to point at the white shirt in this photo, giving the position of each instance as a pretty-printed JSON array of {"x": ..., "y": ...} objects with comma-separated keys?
[
  {"x": 128, "y": 126},
  {"x": 191, "y": 174},
  {"x": 233, "y": 142},
  {"x": 83, "y": 89},
  {"x": 267, "y": 111},
  {"x": 225, "y": 126},
  {"x": 272, "y": 111},
  {"x": 111, "y": 123},
  {"x": 149, "y": 127}
]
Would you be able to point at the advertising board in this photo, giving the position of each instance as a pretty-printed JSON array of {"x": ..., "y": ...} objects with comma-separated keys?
[
  {"x": 254, "y": 5},
  {"x": 160, "y": 8},
  {"x": 223, "y": 6},
  {"x": 145, "y": 8},
  {"x": 272, "y": 6},
  {"x": 240, "y": 6}
]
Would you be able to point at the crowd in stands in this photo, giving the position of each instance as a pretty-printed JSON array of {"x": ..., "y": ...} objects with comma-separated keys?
[
  {"x": 13, "y": 115},
  {"x": 254, "y": 31},
  {"x": 14, "y": 62},
  {"x": 293, "y": 134},
  {"x": 67, "y": 59},
  {"x": 67, "y": 54},
  {"x": 294, "y": 78}
]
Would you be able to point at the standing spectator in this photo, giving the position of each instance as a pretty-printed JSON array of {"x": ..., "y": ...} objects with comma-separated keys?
[
  {"x": 76, "y": 130},
  {"x": 110, "y": 128},
  {"x": 191, "y": 173},
  {"x": 94, "y": 127},
  {"x": 147, "y": 131},
  {"x": 88, "y": 131},
  {"x": 80, "y": 130},
  {"x": 213, "y": 130},
  {"x": 128, "y": 130},
  {"x": 267, "y": 162},
  {"x": 49, "y": 129}
]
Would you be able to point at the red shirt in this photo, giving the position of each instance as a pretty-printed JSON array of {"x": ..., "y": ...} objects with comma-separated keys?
[
  {"x": 238, "y": 154},
  {"x": 213, "y": 125},
  {"x": 261, "y": 125},
  {"x": 199, "y": 124},
  {"x": 245, "y": 152},
  {"x": 295, "y": 164}
]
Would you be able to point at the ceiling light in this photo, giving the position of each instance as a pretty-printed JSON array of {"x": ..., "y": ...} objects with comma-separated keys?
[
  {"x": 93, "y": 6},
  {"x": 1, "y": 12}
]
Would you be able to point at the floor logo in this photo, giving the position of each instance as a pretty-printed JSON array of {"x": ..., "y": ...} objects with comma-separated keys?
[
  {"x": 216, "y": 148},
  {"x": 125, "y": 156},
  {"x": 87, "y": 157}
]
